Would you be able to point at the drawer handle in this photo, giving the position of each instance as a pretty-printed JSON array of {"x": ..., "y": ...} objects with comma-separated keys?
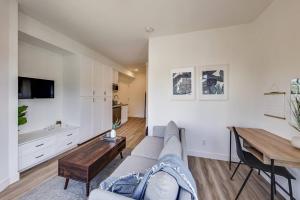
[
  {"x": 39, "y": 145},
  {"x": 39, "y": 156},
  {"x": 70, "y": 134},
  {"x": 69, "y": 143}
]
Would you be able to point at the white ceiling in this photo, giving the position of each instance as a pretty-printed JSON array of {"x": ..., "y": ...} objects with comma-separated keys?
[{"x": 116, "y": 28}]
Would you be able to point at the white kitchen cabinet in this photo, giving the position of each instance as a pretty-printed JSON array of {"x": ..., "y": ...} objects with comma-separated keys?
[
  {"x": 86, "y": 118},
  {"x": 124, "y": 114},
  {"x": 115, "y": 77},
  {"x": 107, "y": 113},
  {"x": 98, "y": 110},
  {"x": 96, "y": 98},
  {"x": 107, "y": 80},
  {"x": 86, "y": 76},
  {"x": 98, "y": 77}
]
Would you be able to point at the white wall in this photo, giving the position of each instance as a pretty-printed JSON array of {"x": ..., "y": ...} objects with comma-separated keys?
[
  {"x": 262, "y": 55},
  {"x": 38, "y": 62},
  {"x": 277, "y": 36},
  {"x": 205, "y": 121},
  {"x": 8, "y": 94},
  {"x": 132, "y": 92},
  {"x": 137, "y": 89}
]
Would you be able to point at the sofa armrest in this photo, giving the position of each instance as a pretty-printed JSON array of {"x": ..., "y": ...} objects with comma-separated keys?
[
  {"x": 99, "y": 194},
  {"x": 184, "y": 145},
  {"x": 159, "y": 131}
]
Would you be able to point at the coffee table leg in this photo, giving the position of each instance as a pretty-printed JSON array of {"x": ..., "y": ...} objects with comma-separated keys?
[
  {"x": 121, "y": 154},
  {"x": 66, "y": 183},
  {"x": 87, "y": 189}
]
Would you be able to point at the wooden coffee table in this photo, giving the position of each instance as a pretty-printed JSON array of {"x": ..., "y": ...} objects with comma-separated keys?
[{"x": 86, "y": 162}]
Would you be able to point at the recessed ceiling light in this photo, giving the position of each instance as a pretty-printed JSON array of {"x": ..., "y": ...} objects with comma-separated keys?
[
  {"x": 136, "y": 69},
  {"x": 149, "y": 29}
]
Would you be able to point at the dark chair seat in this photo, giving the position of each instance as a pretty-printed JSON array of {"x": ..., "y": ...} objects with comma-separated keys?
[{"x": 253, "y": 162}]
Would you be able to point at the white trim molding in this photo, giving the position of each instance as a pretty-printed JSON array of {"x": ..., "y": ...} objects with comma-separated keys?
[
  {"x": 3, "y": 184},
  {"x": 209, "y": 155}
]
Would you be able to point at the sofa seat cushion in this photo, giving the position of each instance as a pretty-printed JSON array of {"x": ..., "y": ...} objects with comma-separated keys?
[
  {"x": 133, "y": 164},
  {"x": 149, "y": 147}
]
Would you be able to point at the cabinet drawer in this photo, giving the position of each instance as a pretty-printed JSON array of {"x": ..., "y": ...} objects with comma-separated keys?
[
  {"x": 37, "y": 145},
  {"x": 67, "y": 144},
  {"x": 67, "y": 135},
  {"x": 36, "y": 157}
]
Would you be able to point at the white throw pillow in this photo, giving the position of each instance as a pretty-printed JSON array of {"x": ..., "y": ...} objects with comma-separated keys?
[
  {"x": 171, "y": 130},
  {"x": 173, "y": 146},
  {"x": 161, "y": 186}
]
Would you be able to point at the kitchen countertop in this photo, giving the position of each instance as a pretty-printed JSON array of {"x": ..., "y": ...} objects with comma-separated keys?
[{"x": 119, "y": 105}]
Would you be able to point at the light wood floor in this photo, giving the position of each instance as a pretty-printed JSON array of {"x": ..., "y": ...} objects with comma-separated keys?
[
  {"x": 133, "y": 130},
  {"x": 212, "y": 176},
  {"x": 213, "y": 181}
]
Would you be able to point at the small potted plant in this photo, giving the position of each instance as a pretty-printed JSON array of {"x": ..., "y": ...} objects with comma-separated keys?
[
  {"x": 22, "y": 120},
  {"x": 295, "y": 107},
  {"x": 115, "y": 125}
]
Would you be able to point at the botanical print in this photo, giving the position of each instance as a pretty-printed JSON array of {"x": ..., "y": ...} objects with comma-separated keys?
[
  {"x": 295, "y": 86},
  {"x": 295, "y": 103}
]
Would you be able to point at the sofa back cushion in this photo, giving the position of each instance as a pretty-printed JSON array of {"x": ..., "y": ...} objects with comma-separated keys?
[
  {"x": 173, "y": 146},
  {"x": 171, "y": 130},
  {"x": 161, "y": 186}
]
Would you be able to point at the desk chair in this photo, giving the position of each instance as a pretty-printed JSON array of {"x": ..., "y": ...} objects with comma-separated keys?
[{"x": 252, "y": 162}]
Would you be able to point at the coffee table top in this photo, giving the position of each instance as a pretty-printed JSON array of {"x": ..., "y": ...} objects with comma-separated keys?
[{"x": 90, "y": 153}]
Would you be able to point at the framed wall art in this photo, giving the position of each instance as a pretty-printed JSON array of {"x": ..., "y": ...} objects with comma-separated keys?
[
  {"x": 213, "y": 82},
  {"x": 183, "y": 83}
]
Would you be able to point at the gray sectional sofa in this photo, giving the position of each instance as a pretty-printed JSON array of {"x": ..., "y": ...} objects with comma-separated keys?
[{"x": 143, "y": 157}]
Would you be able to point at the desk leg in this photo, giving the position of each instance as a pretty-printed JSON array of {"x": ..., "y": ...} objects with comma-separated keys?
[
  {"x": 230, "y": 136},
  {"x": 272, "y": 179}
]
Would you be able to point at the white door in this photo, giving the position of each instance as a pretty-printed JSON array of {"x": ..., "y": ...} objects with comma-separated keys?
[
  {"x": 98, "y": 115},
  {"x": 86, "y": 119},
  {"x": 86, "y": 76},
  {"x": 98, "y": 77},
  {"x": 107, "y": 80},
  {"x": 107, "y": 113}
]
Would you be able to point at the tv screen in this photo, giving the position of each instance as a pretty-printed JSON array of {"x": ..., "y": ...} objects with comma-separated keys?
[{"x": 31, "y": 88}]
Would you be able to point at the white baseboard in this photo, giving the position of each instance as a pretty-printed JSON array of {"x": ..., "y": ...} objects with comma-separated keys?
[
  {"x": 14, "y": 178},
  {"x": 210, "y": 155},
  {"x": 3, "y": 184}
]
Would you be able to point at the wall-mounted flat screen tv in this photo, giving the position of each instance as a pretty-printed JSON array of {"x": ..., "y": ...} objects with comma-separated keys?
[{"x": 32, "y": 88}]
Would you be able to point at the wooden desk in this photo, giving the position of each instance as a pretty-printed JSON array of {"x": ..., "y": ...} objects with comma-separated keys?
[{"x": 268, "y": 148}]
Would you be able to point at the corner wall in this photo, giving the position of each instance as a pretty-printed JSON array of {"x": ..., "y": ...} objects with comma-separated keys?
[
  {"x": 277, "y": 37},
  {"x": 262, "y": 55},
  {"x": 8, "y": 94},
  {"x": 205, "y": 121},
  {"x": 38, "y": 62}
]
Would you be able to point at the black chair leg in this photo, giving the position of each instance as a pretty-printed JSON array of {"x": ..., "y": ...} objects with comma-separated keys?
[
  {"x": 275, "y": 190},
  {"x": 246, "y": 180},
  {"x": 259, "y": 172},
  {"x": 237, "y": 167},
  {"x": 290, "y": 189}
]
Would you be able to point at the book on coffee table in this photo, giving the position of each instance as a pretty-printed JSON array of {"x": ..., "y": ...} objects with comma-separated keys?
[{"x": 110, "y": 139}]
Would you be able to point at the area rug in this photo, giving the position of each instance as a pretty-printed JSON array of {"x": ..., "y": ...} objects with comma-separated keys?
[{"x": 53, "y": 189}]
